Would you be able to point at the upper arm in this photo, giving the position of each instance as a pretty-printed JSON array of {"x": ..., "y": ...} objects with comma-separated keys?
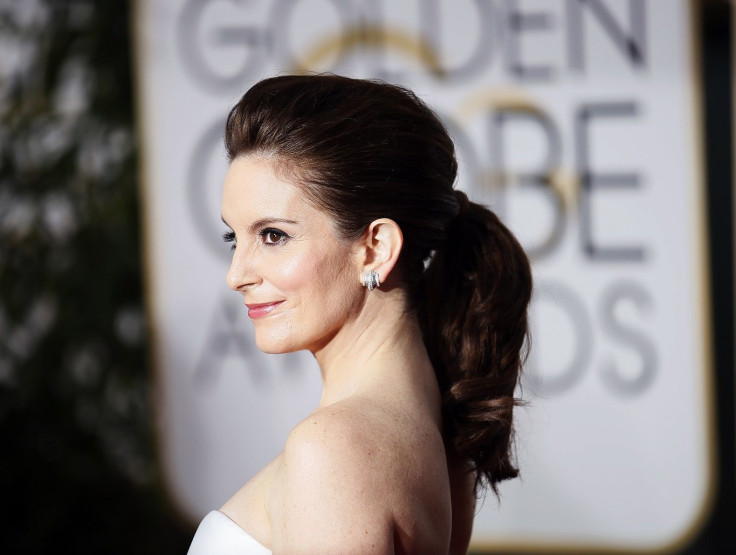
[{"x": 328, "y": 496}]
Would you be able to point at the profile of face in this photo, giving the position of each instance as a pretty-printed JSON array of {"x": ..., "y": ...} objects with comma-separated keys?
[{"x": 299, "y": 279}]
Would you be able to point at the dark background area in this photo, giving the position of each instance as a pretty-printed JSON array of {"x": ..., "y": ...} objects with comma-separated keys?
[
  {"x": 716, "y": 27},
  {"x": 78, "y": 467},
  {"x": 78, "y": 470}
]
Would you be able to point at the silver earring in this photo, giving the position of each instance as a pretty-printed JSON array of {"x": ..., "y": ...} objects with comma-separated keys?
[{"x": 370, "y": 279}]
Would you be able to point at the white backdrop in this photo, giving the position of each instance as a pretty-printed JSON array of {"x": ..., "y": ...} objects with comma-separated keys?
[{"x": 577, "y": 122}]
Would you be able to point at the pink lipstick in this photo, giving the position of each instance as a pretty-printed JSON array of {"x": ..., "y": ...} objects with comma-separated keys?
[{"x": 261, "y": 309}]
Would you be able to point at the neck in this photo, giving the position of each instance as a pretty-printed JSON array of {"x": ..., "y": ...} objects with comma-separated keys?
[{"x": 384, "y": 339}]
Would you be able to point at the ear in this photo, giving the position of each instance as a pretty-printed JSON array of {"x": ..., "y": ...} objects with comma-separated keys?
[{"x": 381, "y": 247}]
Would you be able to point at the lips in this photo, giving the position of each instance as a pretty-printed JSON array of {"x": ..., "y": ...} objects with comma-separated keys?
[{"x": 260, "y": 310}]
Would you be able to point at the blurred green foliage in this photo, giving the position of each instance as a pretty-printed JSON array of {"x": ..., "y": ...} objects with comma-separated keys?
[{"x": 77, "y": 455}]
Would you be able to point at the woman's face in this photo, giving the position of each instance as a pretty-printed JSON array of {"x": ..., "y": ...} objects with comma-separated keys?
[{"x": 299, "y": 280}]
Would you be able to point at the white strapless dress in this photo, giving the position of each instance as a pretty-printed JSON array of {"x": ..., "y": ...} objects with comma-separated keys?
[{"x": 218, "y": 535}]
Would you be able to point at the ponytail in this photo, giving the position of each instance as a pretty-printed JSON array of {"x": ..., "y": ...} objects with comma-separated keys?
[{"x": 474, "y": 313}]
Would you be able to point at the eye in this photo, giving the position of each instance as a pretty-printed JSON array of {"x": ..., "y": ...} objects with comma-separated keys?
[
  {"x": 229, "y": 237},
  {"x": 272, "y": 236}
]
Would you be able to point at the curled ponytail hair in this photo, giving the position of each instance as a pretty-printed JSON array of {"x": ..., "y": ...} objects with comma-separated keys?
[
  {"x": 364, "y": 150},
  {"x": 477, "y": 290}
]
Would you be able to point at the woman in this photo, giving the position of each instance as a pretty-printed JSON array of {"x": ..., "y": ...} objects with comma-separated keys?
[{"x": 350, "y": 241}]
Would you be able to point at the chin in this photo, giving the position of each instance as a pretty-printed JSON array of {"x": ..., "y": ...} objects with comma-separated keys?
[
  {"x": 276, "y": 344},
  {"x": 274, "y": 348}
]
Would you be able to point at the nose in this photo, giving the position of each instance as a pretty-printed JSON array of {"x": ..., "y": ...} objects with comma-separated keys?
[{"x": 242, "y": 272}]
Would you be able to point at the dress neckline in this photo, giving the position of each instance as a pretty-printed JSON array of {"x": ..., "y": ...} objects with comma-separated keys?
[
  {"x": 239, "y": 527},
  {"x": 219, "y": 534}
]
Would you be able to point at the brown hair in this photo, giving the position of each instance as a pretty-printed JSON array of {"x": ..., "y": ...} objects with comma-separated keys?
[{"x": 367, "y": 149}]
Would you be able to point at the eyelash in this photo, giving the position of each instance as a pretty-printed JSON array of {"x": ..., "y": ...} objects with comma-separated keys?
[{"x": 229, "y": 237}]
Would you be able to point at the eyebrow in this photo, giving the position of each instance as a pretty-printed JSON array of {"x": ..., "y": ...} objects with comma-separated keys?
[{"x": 262, "y": 222}]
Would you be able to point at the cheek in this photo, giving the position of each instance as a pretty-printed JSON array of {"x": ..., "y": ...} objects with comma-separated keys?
[
  {"x": 321, "y": 290},
  {"x": 295, "y": 273},
  {"x": 339, "y": 289},
  {"x": 322, "y": 283},
  {"x": 308, "y": 272}
]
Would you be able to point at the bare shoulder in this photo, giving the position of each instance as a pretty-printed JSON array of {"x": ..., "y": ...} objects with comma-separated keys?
[
  {"x": 319, "y": 502},
  {"x": 356, "y": 476},
  {"x": 356, "y": 430},
  {"x": 365, "y": 437}
]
